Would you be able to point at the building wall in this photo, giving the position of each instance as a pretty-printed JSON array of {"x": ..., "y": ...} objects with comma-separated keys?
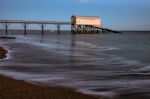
[{"x": 87, "y": 20}]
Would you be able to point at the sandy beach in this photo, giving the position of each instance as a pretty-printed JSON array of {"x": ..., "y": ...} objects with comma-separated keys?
[{"x": 18, "y": 89}]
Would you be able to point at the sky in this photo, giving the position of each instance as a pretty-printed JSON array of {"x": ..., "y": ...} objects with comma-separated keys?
[{"x": 115, "y": 14}]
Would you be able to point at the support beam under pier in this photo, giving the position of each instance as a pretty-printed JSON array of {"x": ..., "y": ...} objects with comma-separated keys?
[
  {"x": 6, "y": 27},
  {"x": 42, "y": 28},
  {"x": 25, "y": 25},
  {"x": 58, "y": 28}
]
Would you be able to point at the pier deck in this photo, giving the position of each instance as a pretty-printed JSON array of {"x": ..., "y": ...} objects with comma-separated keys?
[
  {"x": 79, "y": 29},
  {"x": 26, "y": 23}
]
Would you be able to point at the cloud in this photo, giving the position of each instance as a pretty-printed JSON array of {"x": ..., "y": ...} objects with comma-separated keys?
[{"x": 84, "y": 1}]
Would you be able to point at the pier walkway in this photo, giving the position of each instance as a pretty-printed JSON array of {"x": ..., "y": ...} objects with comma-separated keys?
[
  {"x": 26, "y": 23},
  {"x": 75, "y": 29}
]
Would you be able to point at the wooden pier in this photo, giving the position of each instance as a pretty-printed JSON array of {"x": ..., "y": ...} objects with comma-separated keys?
[
  {"x": 25, "y": 24},
  {"x": 79, "y": 25}
]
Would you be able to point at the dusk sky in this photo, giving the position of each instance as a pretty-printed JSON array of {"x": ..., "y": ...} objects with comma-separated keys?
[{"x": 115, "y": 14}]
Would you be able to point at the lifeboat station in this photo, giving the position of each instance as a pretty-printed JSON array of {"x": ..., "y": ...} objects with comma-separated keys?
[{"x": 79, "y": 25}]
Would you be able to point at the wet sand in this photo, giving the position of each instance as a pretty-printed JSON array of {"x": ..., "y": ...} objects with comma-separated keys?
[{"x": 18, "y": 89}]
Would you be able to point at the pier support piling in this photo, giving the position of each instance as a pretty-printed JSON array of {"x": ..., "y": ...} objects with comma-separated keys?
[
  {"x": 6, "y": 27},
  {"x": 42, "y": 28},
  {"x": 25, "y": 25},
  {"x": 58, "y": 28},
  {"x": 84, "y": 29}
]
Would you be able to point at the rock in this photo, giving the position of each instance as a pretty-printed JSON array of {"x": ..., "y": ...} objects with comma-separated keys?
[{"x": 3, "y": 52}]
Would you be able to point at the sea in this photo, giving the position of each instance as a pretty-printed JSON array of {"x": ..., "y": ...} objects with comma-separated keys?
[{"x": 112, "y": 65}]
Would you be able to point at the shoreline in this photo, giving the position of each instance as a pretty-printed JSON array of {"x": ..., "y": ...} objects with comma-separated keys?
[{"x": 19, "y": 89}]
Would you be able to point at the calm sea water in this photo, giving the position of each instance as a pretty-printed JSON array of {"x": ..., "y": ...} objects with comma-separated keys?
[{"x": 98, "y": 64}]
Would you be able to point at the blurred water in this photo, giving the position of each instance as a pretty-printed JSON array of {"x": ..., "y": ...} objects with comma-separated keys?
[{"x": 98, "y": 64}]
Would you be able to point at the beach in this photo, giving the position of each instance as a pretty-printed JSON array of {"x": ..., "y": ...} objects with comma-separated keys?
[{"x": 19, "y": 89}]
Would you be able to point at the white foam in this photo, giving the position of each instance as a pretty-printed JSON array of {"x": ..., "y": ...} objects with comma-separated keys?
[
  {"x": 145, "y": 68},
  {"x": 126, "y": 61},
  {"x": 31, "y": 76},
  {"x": 109, "y": 48},
  {"x": 108, "y": 93},
  {"x": 90, "y": 45}
]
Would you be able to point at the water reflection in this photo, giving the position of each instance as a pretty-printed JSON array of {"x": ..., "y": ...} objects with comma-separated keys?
[{"x": 42, "y": 38}]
